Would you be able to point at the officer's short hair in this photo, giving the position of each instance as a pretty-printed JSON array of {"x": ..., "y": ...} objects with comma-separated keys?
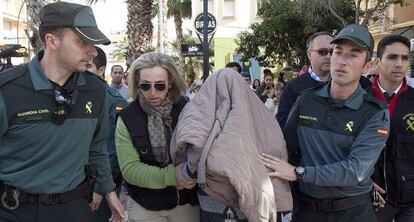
[
  {"x": 389, "y": 40},
  {"x": 112, "y": 68},
  {"x": 314, "y": 35},
  {"x": 43, "y": 30},
  {"x": 234, "y": 64},
  {"x": 100, "y": 59}
]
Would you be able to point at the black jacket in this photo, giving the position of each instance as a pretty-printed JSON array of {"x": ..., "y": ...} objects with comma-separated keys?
[{"x": 394, "y": 170}]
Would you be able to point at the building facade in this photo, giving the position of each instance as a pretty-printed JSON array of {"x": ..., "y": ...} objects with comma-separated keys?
[
  {"x": 13, "y": 22},
  {"x": 400, "y": 21},
  {"x": 233, "y": 17}
]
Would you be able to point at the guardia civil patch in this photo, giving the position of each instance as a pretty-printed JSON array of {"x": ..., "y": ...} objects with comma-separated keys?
[
  {"x": 88, "y": 107},
  {"x": 409, "y": 118}
]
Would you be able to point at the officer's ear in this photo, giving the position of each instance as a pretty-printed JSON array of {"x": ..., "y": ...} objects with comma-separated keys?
[
  {"x": 51, "y": 41},
  {"x": 368, "y": 66},
  {"x": 101, "y": 71}
]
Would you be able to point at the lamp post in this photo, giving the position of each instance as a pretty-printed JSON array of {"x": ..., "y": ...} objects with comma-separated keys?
[{"x": 205, "y": 41}]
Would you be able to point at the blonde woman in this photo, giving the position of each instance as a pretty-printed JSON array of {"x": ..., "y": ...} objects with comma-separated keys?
[{"x": 143, "y": 136}]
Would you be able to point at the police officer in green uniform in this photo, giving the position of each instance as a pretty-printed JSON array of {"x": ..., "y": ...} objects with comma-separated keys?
[
  {"x": 53, "y": 122},
  {"x": 338, "y": 130},
  {"x": 115, "y": 104}
]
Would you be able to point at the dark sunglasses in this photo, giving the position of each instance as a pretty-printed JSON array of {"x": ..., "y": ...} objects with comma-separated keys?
[
  {"x": 64, "y": 99},
  {"x": 370, "y": 76},
  {"x": 323, "y": 51},
  {"x": 157, "y": 86}
]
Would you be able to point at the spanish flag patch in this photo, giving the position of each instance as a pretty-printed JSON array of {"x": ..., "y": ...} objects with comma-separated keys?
[
  {"x": 118, "y": 108},
  {"x": 382, "y": 132}
]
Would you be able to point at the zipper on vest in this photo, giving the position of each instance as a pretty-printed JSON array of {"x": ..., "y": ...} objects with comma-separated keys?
[{"x": 178, "y": 197}]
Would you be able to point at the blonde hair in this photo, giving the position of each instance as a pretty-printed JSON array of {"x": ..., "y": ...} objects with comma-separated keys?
[{"x": 153, "y": 59}]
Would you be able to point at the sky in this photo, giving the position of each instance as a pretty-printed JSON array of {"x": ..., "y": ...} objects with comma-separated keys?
[
  {"x": 116, "y": 21},
  {"x": 111, "y": 16}
]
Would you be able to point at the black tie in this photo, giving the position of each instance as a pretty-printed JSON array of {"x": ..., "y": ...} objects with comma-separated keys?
[{"x": 388, "y": 96}]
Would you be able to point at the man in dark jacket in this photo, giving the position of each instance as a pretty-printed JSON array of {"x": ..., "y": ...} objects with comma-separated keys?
[
  {"x": 394, "y": 171},
  {"x": 319, "y": 53}
]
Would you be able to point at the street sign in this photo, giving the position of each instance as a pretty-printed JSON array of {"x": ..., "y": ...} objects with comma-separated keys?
[
  {"x": 212, "y": 24},
  {"x": 191, "y": 50}
]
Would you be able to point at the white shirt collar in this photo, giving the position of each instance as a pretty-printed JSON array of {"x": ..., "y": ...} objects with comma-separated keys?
[
  {"x": 314, "y": 75},
  {"x": 395, "y": 91}
]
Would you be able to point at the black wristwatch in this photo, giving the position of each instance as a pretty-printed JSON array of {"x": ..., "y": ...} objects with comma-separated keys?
[{"x": 300, "y": 173}]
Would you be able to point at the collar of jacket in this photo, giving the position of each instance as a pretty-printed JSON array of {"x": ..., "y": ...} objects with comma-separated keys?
[
  {"x": 353, "y": 102},
  {"x": 39, "y": 79}
]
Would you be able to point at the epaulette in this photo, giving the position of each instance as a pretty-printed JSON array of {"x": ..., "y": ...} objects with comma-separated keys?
[
  {"x": 90, "y": 73},
  {"x": 373, "y": 100},
  {"x": 113, "y": 92},
  {"x": 94, "y": 76},
  {"x": 12, "y": 74}
]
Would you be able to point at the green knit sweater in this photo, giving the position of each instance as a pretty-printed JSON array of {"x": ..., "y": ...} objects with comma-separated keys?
[{"x": 136, "y": 172}]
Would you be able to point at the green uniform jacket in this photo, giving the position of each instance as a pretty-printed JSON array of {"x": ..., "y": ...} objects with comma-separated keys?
[
  {"x": 339, "y": 141},
  {"x": 38, "y": 156},
  {"x": 115, "y": 103}
]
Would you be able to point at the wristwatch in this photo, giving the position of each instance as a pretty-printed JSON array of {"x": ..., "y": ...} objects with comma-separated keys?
[{"x": 300, "y": 173}]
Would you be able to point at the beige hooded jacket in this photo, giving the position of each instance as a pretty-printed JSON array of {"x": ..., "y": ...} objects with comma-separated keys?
[{"x": 220, "y": 135}]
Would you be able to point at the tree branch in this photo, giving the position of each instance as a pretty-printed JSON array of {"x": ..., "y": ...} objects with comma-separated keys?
[
  {"x": 357, "y": 10},
  {"x": 370, "y": 12},
  {"x": 334, "y": 13}
]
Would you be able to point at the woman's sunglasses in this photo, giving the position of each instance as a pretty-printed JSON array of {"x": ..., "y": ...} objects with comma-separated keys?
[{"x": 157, "y": 86}]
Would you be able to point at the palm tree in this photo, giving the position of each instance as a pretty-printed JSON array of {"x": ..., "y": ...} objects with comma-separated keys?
[
  {"x": 139, "y": 28},
  {"x": 33, "y": 11},
  {"x": 162, "y": 19},
  {"x": 179, "y": 9}
]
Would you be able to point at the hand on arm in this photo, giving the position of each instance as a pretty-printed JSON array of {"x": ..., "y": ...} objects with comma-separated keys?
[
  {"x": 181, "y": 182},
  {"x": 280, "y": 168},
  {"x": 116, "y": 207}
]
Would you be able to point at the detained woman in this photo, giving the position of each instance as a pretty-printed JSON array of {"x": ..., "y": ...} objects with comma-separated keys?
[{"x": 143, "y": 136}]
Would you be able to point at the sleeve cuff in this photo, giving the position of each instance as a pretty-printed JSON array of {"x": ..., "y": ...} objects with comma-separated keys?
[
  {"x": 170, "y": 179},
  {"x": 104, "y": 188},
  {"x": 310, "y": 175}
]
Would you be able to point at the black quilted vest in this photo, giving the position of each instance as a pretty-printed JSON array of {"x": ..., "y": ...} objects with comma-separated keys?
[{"x": 135, "y": 119}]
